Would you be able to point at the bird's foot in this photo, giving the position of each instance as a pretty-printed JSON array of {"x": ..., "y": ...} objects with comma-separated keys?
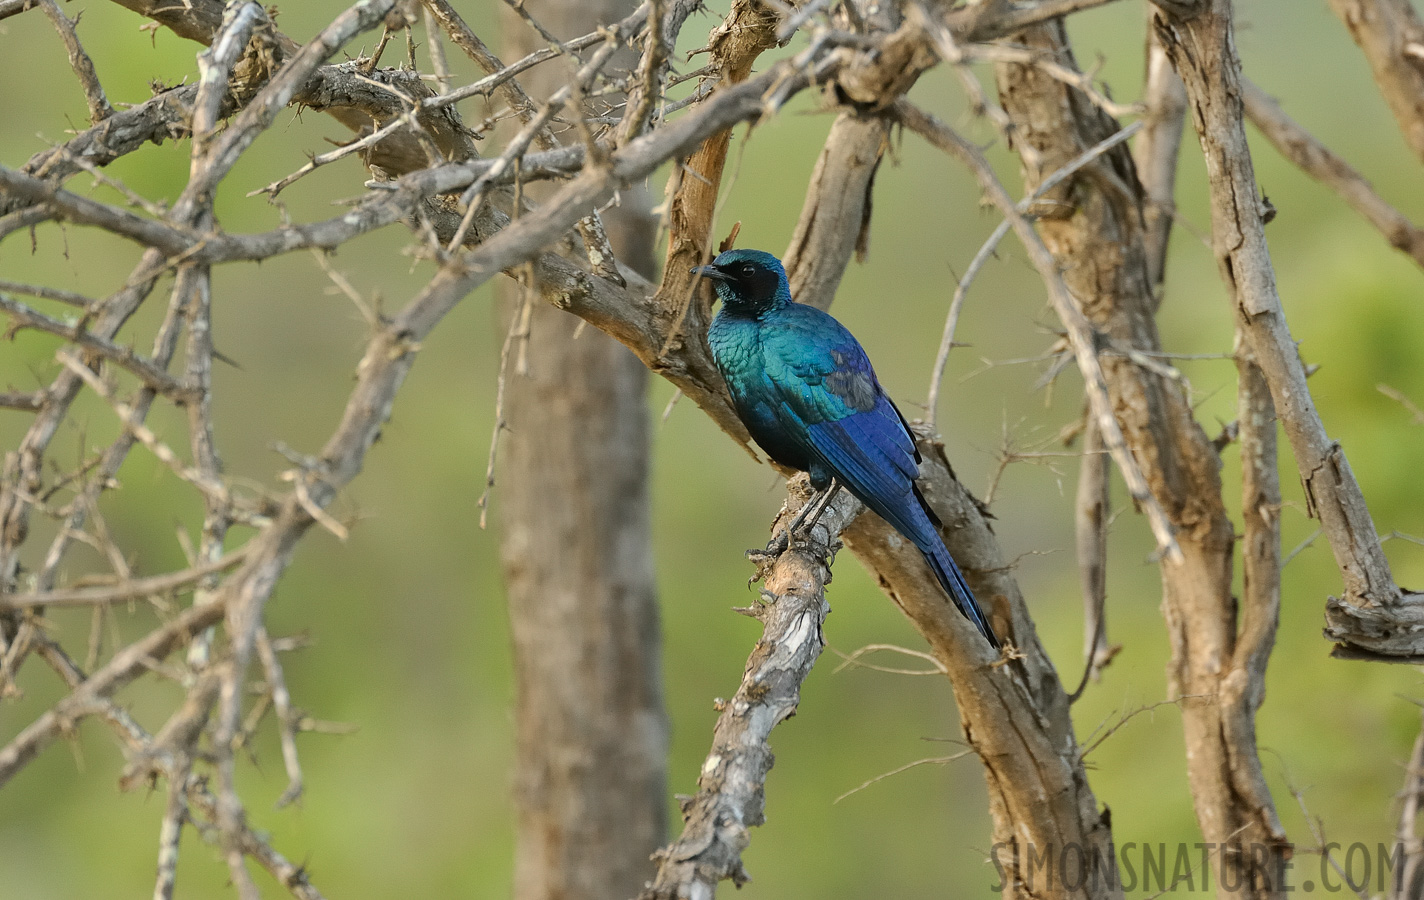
[{"x": 765, "y": 558}]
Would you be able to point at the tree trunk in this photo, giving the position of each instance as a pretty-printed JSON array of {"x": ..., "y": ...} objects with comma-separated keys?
[
  {"x": 1094, "y": 225},
  {"x": 591, "y": 731}
]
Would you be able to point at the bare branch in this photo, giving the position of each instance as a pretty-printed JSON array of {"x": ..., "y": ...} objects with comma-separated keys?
[
  {"x": 9, "y": 8},
  {"x": 835, "y": 216},
  {"x": 126, "y": 665},
  {"x": 730, "y": 797},
  {"x": 961, "y": 289},
  {"x": 1155, "y": 155},
  {"x": 1391, "y": 35},
  {"x": 1090, "y": 526},
  {"x": 1203, "y": 51},
  {"x": 1081, "y": 333},
  {"x": 99, "y": 108},
  {"x": 128, "y": 589},
  {"x": 1409, "y": 882},
  {"x": 1300, "y": 147},
  {"x": 25, "y": 402},
  {"x": 148, "y": 372}
]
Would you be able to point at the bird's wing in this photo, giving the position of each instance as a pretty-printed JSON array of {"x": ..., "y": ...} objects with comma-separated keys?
[{"x": 827, "y": 387}]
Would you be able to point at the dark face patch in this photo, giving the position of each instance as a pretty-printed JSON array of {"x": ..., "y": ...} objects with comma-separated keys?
[
  {"x": 756, "y": 283},
  {"x": 751, "y": 282}
]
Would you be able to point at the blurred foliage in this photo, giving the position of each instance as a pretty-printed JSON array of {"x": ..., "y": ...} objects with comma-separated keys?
[{"x": 408, "y": 631}]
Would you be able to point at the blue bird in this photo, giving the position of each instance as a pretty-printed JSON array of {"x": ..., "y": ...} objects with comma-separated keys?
[{"x": 804, "y": 388}]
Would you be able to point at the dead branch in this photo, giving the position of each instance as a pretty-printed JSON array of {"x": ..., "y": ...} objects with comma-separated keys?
[
  {"x": 1090, "y": 527},
  {"x": 1202, "y": 50},
  {"x": 730, "y": 797},
  {"x": 1079, "y": 330},
  {"x": 99, "y": 108},
  {"x": 1155, "y": 155},
  {"x": 1316, "y": 160},
  {"x": 1391, "y": 35},
  {"x": 128, "y": 589}
]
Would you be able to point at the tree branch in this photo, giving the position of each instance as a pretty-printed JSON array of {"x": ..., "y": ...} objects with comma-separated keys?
[
  {"x": 1316, "y": 160},
  {"x": 1391, "y": 35},
  {"x": 730, "y": 797},
  {"x": 1203, "y": 52}
]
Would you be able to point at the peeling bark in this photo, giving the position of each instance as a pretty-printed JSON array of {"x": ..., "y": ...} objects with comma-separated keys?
[
  {"x": 1094, "y": 225},
  {"x": 1203, "y": 50}
]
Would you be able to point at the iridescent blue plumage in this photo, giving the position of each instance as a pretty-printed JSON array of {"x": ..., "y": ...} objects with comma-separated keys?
[{"x": 804, "y": 388}]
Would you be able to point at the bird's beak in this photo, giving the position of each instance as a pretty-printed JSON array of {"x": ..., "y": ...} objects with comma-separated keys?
[{"x": 712, "y": 272}]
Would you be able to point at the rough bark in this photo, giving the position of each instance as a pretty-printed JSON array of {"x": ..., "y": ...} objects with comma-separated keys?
[
  {"x": 1015, "y": 715},
  {"x": 731, "y": 795},
  {"x": 1316, "y": 160},
  {"x": 1391, "y": 36},
  {"x": 835, "y": 219},
  {"x": 590, "y": 728},
  {"x": 1094, "y": 226},
  {"x": 1155, "y": 155},
  {"x": 1374, "y": 615}
]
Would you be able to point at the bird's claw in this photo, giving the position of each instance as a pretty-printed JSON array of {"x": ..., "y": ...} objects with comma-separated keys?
[{"x": 763, "y": 560}]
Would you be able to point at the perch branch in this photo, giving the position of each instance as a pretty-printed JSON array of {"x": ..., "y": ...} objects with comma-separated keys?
[{"x": 731, "y": 788}]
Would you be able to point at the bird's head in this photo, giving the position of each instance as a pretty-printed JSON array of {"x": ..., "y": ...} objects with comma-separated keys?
[{"x": 748, "y": 281}]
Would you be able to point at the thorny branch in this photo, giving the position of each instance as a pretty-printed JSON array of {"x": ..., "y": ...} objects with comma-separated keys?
[
  {"x": 1080, "y": 332},
  {"x": 426, "y": 172},
  {"x": 731, "y": 787}
]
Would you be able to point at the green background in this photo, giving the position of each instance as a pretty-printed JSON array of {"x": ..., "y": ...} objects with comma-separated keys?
[{"x": 408, "y": 628}]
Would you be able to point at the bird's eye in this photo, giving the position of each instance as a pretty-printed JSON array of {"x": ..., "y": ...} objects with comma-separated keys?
[{"x": 748, "y": 270}]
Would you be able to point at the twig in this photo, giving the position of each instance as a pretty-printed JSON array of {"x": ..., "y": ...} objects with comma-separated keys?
[
  {"x": 30, "y": 401},
  {"x": 933, "y": 760},
  {"x": 1406, "y": 833},
  {"x": 499, "y": 75},
  {"x": 854, "y": 659},
  {"x": 170, "y": 830},
  {"x": 1080, "y": 331},
  {"x": 1296, "y": 144},
  {"x": 1318, "y": 833},
  {"x": 518, "y": 329},
  {"x": 128, "y": 589},
  {"x": 518, "y": 7},
  {"x": 1299, "y": 548},
  {"x": 1090, "y": 526},
  {"x": 1398, "y": 396},
  {"x": 961, "y": 289},
  {"x": 433, "y": 46},
  {"x": 99, "y": 108},
  {"x": 287, "y": 719},
  {"x": 126, "y": 665},
  {"x": 132, "y": 420},
  {"x": 1106, "y": 730},
  {"x": 473, "y": 198},
  {"x": 48, "y": 293},
  {"x": 147, "y": 371},
  {"x": 961, "y": 54},
  {"x": 652, "y": 69}
]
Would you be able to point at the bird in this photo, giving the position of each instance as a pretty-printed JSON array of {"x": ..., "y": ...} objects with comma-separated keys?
[{"x": 806, "y": 392}]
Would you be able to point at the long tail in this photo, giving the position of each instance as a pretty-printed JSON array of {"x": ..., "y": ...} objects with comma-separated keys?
[
  {"x": 942, "y": 564},
  {"x": 914, "y": 519}
]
